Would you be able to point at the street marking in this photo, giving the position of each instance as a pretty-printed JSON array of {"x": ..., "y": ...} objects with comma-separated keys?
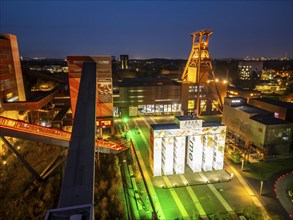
[
  {"x": 148, "y": 179},
  {"x": 173, "y": 193},
  {"x": 194, "y": 197},
  {"x": 176, "y": 198},
  {"x": 249, "y": 190},
  {"x": 217, "y": 194}
]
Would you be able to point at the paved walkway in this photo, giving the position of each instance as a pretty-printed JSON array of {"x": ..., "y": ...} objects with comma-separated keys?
[
  {"x": 281, "y": 188},
  {"x": 248, "y": 189}
]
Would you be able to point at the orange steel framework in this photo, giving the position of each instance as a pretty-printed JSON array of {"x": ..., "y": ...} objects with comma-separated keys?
[
  {"x": 21, "y": 126},
  {"x": 199, "y": 70}
]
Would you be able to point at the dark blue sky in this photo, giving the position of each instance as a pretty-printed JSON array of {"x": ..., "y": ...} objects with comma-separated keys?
[{"x": 149, "y": 29}]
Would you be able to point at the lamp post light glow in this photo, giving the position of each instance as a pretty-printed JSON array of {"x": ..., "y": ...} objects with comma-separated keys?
[{"x": 5, "y": 164}]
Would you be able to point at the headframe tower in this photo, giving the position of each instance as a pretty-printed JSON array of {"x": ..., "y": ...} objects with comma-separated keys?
[{"x": 199, "y": 74}]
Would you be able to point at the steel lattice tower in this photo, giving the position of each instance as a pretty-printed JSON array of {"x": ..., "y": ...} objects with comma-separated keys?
[{"x": 199, "y": 72}]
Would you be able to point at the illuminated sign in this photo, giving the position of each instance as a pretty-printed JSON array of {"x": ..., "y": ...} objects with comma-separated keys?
[
  {"x": 236, "y": 101},
  {"x": 192, "y": 124},
  {"x": 104, "y": 87}
]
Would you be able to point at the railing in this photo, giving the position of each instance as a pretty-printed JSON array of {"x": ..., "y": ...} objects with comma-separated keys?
[
  {"x": 22, "y": 126},
  {"x": 33, "y": 129}
]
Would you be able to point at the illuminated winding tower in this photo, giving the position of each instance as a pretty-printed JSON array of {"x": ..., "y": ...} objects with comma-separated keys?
[{"x": 200, "y": 86}]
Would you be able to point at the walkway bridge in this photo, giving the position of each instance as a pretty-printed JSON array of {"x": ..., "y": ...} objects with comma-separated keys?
[{"x": 23, "y": 130}]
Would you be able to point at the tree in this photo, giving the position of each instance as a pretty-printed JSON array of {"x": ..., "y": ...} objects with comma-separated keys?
[{"x": 253, "y": 212}]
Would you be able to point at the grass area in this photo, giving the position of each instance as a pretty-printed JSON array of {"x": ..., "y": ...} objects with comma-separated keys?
[{"x": 264, "y": 170}]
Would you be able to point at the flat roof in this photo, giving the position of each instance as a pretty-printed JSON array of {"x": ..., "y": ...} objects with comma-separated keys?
[
  {"x": 275, "y": 102},
  {"x": 164, "y": 126},
  {"x": 135, "y": 82},
  {"x": 252, "y": 110},
  {"x": 241, "y": 89},
  {"x": 269, "y": 120},
  {"x": 212, "y": 124},
  {"x": 186, "y": 118}
]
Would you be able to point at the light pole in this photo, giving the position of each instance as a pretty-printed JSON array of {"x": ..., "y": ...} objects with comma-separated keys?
[
  {"x": 18, "y": 148},
  {"x": 5, "y": 164},
  {"x": 242, "y": 163},
  {"x": 261, "y": 186}
]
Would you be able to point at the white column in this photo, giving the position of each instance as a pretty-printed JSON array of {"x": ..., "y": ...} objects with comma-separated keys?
[
  {"x": 157, "y": 157},
  {"x": 179, "y": 154},
  {"x": 208, "y": 151},
  {"x": 167, "y": 155},
  {"x": 194, "y": 153}
]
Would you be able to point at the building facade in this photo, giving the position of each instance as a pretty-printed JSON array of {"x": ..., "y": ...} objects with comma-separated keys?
[
  {"x": 247, "y": 68},
  {"x": 189, "y": 141},
  {"x": 146, "y": 96},
  {"x": 233, "y": 91},
  {"x": 11, "y": 81},
  {"x": 255, "y": 130},
  {"x": 104, "y": 108}
]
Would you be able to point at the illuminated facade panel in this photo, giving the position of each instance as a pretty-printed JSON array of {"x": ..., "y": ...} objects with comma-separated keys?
[
  {"x": 179, "y": 154},
  {"x": 194, "y": 153},
  {"x": 167, "y": 155},
  {"x": 219, "y": 151},
  {"x": 208, "y": 150},
  {"x": 157, "y": 168},
  {"x": 189, "y": 141}
]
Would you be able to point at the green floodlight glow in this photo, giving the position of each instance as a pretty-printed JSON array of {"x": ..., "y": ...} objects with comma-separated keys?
[{"x": 125, "y": 119}]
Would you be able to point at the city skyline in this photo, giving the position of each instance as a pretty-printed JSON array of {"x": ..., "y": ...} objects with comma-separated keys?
[{"x": 156, "y": 29}]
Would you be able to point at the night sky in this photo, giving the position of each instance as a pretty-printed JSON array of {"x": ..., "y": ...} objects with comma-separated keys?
[{"x": 149, "y": 29}]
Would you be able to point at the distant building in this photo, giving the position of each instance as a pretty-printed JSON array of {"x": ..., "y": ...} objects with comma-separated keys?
[
  {"x": 161, "y": 96},
  {"x": 255, "y": 130},
  {"x": 271, "y": 88},
  {"x": 124, "y": 62},
  {"x": 146, "y": 96},
  {"x": 11, "y": 81},
  {"x": 247, "y": 68},
  {"x": 189, "y": 141},
  {"x": 233, "y": 91},
  {"x": 104, "y": 109}
]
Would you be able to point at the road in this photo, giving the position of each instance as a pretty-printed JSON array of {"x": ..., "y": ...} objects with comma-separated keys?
[{"x": 188, "y": 195}]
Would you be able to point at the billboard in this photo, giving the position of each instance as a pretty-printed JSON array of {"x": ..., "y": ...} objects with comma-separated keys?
[{"x": 104, "y": 90}]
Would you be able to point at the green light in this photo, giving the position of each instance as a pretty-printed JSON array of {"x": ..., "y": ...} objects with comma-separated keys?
[{"x": 125, "y": 120}]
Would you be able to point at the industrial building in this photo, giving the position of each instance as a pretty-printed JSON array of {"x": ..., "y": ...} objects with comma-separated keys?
[
  {"x": 255, "y": 130},
  {"x": 104, "y": 104},
  {"x": 282, "y": 110}
]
